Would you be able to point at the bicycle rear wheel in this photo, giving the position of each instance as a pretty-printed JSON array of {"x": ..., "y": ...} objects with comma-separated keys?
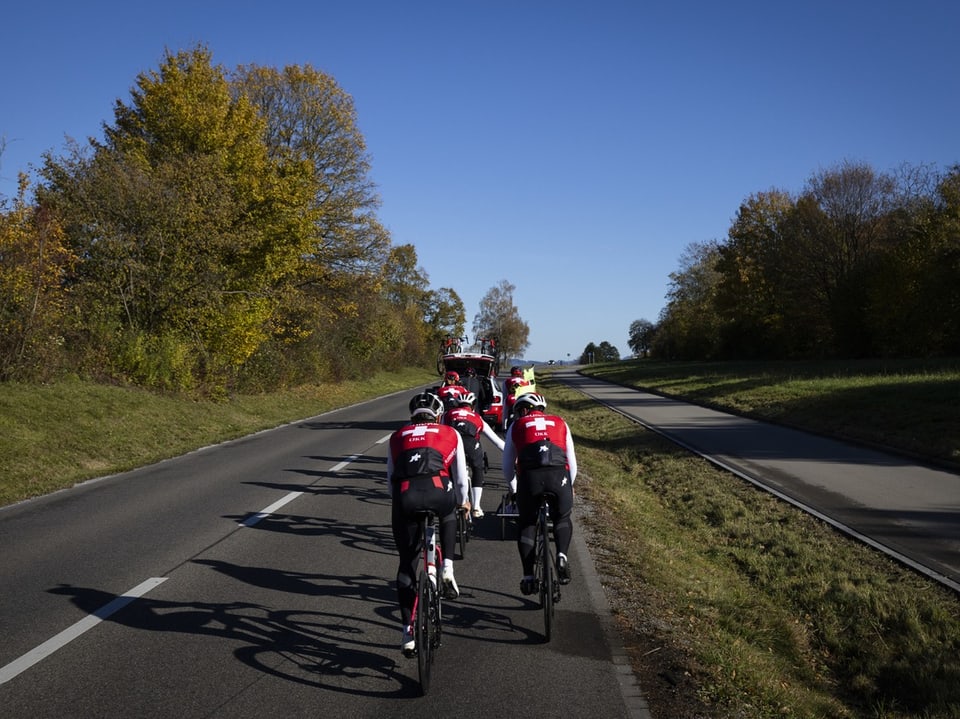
[
  {"x": 423, "y": 628},
  {"x": 546, "y": 580}
]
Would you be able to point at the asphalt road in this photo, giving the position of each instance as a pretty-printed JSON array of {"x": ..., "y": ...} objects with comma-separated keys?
[
  {"x": 255, "y": 578},
  {"x": 907, "y": 510}
]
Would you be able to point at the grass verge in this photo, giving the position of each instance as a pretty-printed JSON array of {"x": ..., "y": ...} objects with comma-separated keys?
[
  {"x": 906, "y": 405},
  {"x": 759, "y": 608},
  {"x": 53, "y": 436}
]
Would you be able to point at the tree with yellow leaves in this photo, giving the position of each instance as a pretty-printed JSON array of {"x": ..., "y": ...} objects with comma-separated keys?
[{"x": 34, "y": 263}]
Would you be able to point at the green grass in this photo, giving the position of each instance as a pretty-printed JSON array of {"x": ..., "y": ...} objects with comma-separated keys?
[
  {"x": 53, "y": 436},
  {"x": 907, "y": 405},
  {"x": 777, "y": 614}
]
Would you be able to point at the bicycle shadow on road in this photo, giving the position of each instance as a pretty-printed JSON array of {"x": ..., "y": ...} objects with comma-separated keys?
[
  {"x": 315, "y": 648},
  {"x": 388, "y": 426}
]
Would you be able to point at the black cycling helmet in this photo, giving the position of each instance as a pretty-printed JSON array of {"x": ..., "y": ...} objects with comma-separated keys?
[
  {"x": 426, "y": 405},
  {"x": 530, "y": 401}
]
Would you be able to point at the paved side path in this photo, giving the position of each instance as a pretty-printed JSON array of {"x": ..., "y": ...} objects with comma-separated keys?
[{"x": 907, "y": 510}]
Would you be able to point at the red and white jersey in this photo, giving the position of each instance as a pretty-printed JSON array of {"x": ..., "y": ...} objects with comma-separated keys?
[
  {"x": 538, "y": 440},
  {"x": 427, "y": 449},
  {"x": 450, "y": 392},
  {"x": 470, "y": 424},
  {"x": 511, "y": 384}
]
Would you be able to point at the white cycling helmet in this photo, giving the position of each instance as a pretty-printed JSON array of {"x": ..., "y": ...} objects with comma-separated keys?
[
  {"x": 467, "y": 398},
  {"x": 531, "y": 401},
  {"x": 426, "y": 405}
]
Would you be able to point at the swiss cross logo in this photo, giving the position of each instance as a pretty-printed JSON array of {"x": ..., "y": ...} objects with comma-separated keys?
[
  {"x": 419, "y": 430},
  {"x": 540, "y": 423}
]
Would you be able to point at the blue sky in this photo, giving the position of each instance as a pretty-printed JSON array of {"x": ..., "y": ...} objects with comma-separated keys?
[{"x": 574, "y": 149}]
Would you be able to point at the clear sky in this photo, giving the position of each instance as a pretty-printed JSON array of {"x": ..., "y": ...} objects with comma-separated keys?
[{"x": 572, "y": 148}]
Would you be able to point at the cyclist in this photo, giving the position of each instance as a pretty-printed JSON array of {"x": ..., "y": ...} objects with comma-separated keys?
[
  {"x": 451, "y": 389},
  {"x": 512, "y": 386},
  {"x": 539, "y": 457},
  {"x": 516, "y": 379},
  {"x": 470, "y": 424},
  {"x": 424, "y": 461}
]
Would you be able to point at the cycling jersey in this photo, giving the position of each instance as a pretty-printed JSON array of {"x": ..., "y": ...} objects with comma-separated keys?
[
  {"x": 426, "y": 450},
  {"x": 470, "y": 424},
  {"x": 538, "y": 440},
  {"x": 451, "y": 392}
]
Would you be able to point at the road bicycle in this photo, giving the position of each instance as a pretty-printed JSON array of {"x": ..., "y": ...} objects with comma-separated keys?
[
  {"x": 427, "y": 617},
  {"x": 544, "y": 567}
]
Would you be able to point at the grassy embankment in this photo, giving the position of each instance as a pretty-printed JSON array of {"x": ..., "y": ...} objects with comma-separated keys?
[
  {"x": 53, "y": 436},
  {"x": 776, "y": 613}
]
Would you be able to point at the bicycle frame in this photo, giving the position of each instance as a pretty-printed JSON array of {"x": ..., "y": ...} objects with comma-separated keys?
[
  {"x": 427, "y": 615},
  {"x": 544, "y": 567},
  {"x": 464, "y": 521}
]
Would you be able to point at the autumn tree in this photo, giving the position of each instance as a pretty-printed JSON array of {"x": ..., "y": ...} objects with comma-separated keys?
[
  {"x": 838, "y": 226},
  {"x": 850, "y": 267},
  {"x": 753, "y": 268},
  {"x": 499, "y": 318},
  {"x": 310, "y": 119},
  {"x": 913, "y": 289},
  {"x": 444, "y": 314},
  {"x": 351, "y": 265},
  {"x": 34, "y": 262},
  {"x": 689, "y": 326},
  {"x": 406, "y": 288},
  {"x": 188, "y": 228}
]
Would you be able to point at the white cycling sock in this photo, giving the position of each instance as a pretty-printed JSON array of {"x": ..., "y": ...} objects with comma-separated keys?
[
  {"x": 447, "y": 563},
  {"x": 477, "y": 493}
]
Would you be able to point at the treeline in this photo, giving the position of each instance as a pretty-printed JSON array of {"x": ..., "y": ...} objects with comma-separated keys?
[
  {"x": 603, "y": 352},
  {"x": 221, "y": 236},
  {"x": 859, "y": 264}
]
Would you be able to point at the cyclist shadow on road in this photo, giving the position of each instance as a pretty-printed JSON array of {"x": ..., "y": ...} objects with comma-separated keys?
[
  {"x": 376, "y": 538},
  {"x": 321, "y": 649},
  {"x": 388, "y": 426}
]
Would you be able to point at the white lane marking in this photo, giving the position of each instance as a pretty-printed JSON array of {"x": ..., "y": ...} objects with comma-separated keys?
[
  {"x": 383, "y": 439},
  {"x": 41, "y": 652},
  {"x": 267, "y": 511},
  {"x": 20, "y": 665},
  {"x": 344, "y": 463}
]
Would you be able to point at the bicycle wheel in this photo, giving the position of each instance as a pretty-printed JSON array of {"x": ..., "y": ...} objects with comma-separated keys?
[
  {"x": 546, "y": 581},
  {"x": 423, "y": 628},
  {"x": 538, "y": 555},
  {"x": 436, "y": 620}
]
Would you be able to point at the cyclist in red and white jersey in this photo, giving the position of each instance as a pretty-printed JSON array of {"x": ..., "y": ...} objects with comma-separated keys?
[
  {"x": 512, "y": 385},
  {"x": 424, "y": 462},
  {"x": 538, "y": 458},
  {"x": 470, "y": 424},
  {"x": 451, "y": 389}
]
